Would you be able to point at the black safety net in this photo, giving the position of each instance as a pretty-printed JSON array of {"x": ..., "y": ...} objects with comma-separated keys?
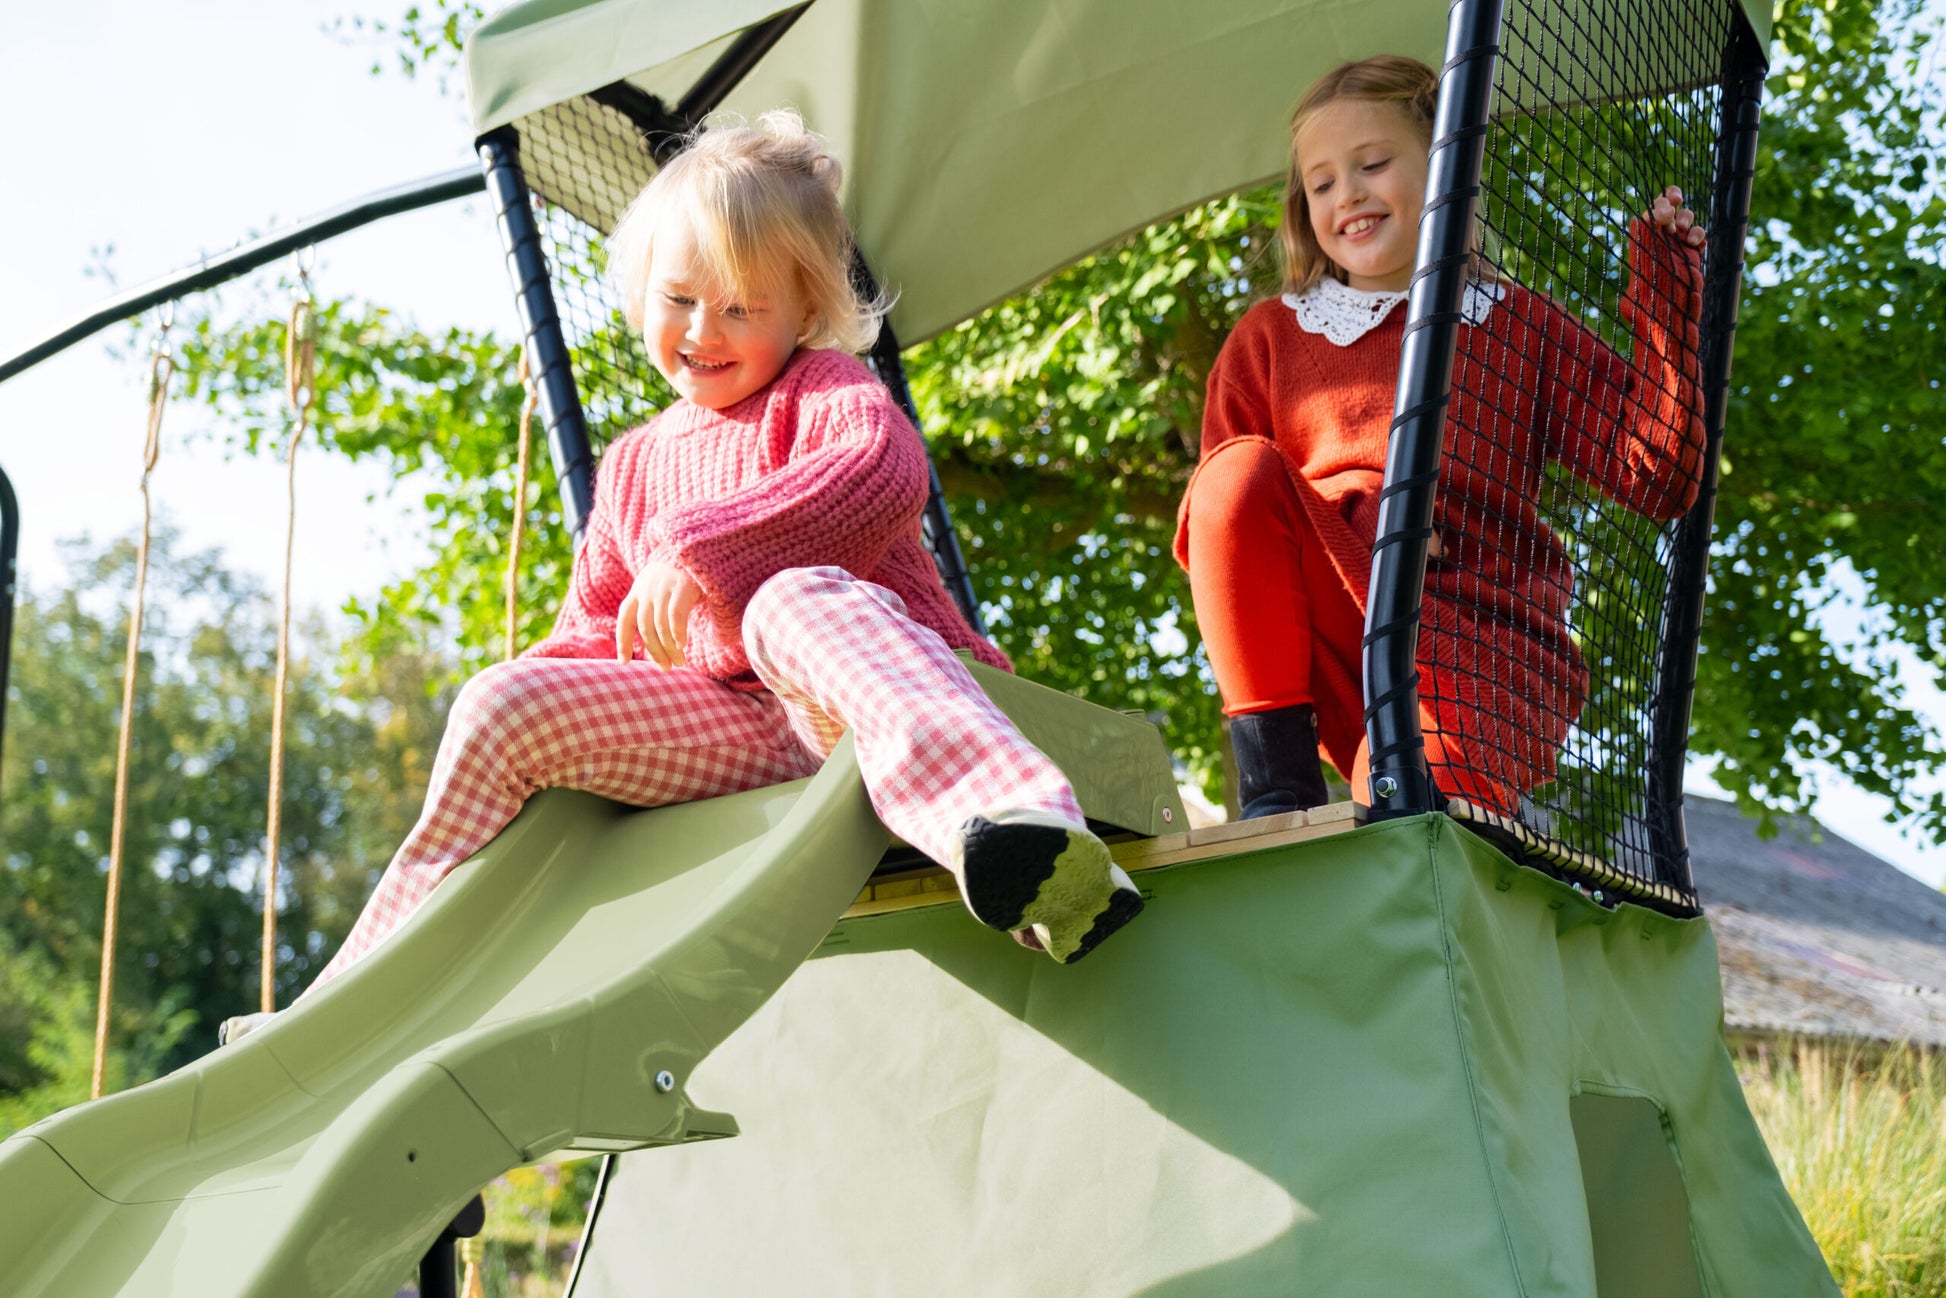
[
  {"x": 1558, "y": 640},
  {"x": 584, "y": 162}
]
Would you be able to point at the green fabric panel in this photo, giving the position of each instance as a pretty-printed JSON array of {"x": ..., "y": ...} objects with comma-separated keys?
[
  {"x": 539, "y": 52},
  {"x": 1636, "y": 1009},
  {"x": 1343, "y": 1067},
  {"x": 988, "y": 143}
]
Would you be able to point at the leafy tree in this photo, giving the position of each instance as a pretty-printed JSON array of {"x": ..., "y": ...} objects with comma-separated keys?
[
  {"x": 441, "y": 407},
  {"x": 189, "y": 922},
  {"x": 1834, "y": 456},
  {"x": 1064, "y": 423}
]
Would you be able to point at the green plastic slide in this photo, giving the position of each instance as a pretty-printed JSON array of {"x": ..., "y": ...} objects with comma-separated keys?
[{"x": 558, "y": 991}]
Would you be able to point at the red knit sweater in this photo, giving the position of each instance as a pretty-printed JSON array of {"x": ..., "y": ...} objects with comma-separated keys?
[
  {"x": 1531, "y": 385},
  {"x": 820, "y": 468}
]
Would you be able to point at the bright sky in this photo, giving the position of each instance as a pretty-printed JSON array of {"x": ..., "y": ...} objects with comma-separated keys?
[
  {"x": 172, "y": 131},
  {"x": 175, "y": 131}
]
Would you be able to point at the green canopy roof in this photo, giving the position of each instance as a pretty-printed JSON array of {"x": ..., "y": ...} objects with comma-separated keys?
[{"x": 986, "y": 142}]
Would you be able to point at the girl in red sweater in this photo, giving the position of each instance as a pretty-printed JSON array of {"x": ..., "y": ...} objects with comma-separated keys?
[
  {"x": 753, "y": 581},
  {"x": 1277, "y": 527}
]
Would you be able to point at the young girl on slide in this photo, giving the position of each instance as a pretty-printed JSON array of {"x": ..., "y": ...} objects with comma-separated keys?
[
  {"x": 1277, "y": 527},
  {"x": 753, "y": 581}
]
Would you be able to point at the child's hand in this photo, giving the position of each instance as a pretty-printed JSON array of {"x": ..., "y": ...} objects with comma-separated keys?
[
  {"x": 656, "y": 614},
  {"x": 1669, "y": 214}
]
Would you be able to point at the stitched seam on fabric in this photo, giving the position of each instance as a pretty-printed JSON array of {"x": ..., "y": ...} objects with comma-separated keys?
[{"x": 1433, "y": 828}]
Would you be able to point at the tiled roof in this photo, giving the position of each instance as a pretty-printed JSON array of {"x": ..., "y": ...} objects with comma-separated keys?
[{"x": 1818, "y": 936}]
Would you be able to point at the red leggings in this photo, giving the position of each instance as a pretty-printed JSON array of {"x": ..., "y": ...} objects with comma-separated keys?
[{"x": 1279, "y": 624}]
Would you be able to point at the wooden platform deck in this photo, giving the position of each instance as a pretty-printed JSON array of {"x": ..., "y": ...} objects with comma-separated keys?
[{"x": 932, "y": 886}]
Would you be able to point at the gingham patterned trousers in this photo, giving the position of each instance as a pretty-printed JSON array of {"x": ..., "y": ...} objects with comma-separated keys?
[{"x": 835, "y": 652}]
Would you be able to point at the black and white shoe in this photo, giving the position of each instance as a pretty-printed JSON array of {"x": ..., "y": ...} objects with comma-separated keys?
[{"x": 1035, "y": 871}]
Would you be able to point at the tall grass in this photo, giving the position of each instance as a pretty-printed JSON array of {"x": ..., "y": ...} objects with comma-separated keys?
[{"x": 1861, "y": 1142}]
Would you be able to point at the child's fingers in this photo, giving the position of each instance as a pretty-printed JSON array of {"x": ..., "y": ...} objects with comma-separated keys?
[
  {"x": 669, "y": 648},
  {"x": 653, "y": 644},
  {"x": 683, "y": 603},
  {"x": 625, "y": 631}
]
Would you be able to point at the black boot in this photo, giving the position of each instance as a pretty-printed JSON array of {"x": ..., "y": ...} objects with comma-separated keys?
[{"x": 1277, "y": 761}]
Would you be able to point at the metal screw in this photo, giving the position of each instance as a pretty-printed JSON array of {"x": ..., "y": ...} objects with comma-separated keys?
[
  {"x": 1168, "y": 814},
  {"x": 1386, "y": 787},
  {"x": 665, "y": 1081}
]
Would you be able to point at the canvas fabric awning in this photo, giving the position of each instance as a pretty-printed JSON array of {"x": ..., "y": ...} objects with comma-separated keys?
[{"x": 986, "y": 142}]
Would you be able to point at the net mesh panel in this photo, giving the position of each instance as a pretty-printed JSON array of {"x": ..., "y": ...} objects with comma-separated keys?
[
  {"x": 1576, "y": 434},
  {"x": 584, "y": 162}
]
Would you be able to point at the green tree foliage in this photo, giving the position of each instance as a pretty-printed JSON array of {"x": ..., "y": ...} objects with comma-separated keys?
[
  {"x": 1835, "y": 457},
  {"x": 190, "y": 917},
  {"x": 1064, "y": 422},
  {"x": 440, "y": 412}
]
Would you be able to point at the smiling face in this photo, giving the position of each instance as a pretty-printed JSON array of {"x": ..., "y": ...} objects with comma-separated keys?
[
  {"x": 715, "y": 348},
  {"x": 1363, "y": 166}
]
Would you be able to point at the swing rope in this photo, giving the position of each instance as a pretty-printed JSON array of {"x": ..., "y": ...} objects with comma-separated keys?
[
  {"x": 472, "y": 1251},
  {"x": 162, "y": 368},
  {"x": 531, "y": 399},
  {"x": 300, "y": 386}
]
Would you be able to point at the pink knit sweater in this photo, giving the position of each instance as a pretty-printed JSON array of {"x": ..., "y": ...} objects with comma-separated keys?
[{"x": 819, "y": 469}]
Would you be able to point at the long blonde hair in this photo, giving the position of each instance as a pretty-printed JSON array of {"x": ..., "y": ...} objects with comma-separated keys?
[
  {"x": 1383, "y": 78},
  {"x": 762, "y": 203}
]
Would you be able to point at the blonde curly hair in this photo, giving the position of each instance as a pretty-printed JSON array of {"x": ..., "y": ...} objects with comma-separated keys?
[{"x": 762, "y": 204}]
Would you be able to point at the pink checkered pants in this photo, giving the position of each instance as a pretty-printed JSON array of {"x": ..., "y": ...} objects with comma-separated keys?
[{"x": 835, "y": 652}]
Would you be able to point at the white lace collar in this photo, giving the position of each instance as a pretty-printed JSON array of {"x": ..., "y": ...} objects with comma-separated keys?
[{"x": 1344, "y": 314}]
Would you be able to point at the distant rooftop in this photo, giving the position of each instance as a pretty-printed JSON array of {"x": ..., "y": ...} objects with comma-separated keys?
[{"x": 1818, "y": 936}]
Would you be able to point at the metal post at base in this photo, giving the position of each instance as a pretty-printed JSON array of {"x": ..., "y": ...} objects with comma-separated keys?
[{"x": 438, "y": 1268}]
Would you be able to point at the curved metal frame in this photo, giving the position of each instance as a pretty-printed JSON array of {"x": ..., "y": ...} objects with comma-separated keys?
[{"x": 246, "y": 257}]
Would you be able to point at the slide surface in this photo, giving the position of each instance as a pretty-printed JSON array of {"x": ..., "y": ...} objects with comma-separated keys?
[{"x": 557, "y": 992}]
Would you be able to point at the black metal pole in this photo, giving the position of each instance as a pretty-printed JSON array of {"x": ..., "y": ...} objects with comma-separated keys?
[
  {"x": 947, "y": 555},
  {"x": 937, "y": 521},
  {"x": 437, "y": 1272},
  {"x": 730, "y": 67},
  {"x": 246, "y": 257},
  {"x": 552, "y": 372},
  {"x": 666, "y": 129},
  {"x": 596, "y": 1201},
  {"x": 1744, "y": 67},
  {"x": 9, "y": 569},
  {"x": 1400, "y": 785}
]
